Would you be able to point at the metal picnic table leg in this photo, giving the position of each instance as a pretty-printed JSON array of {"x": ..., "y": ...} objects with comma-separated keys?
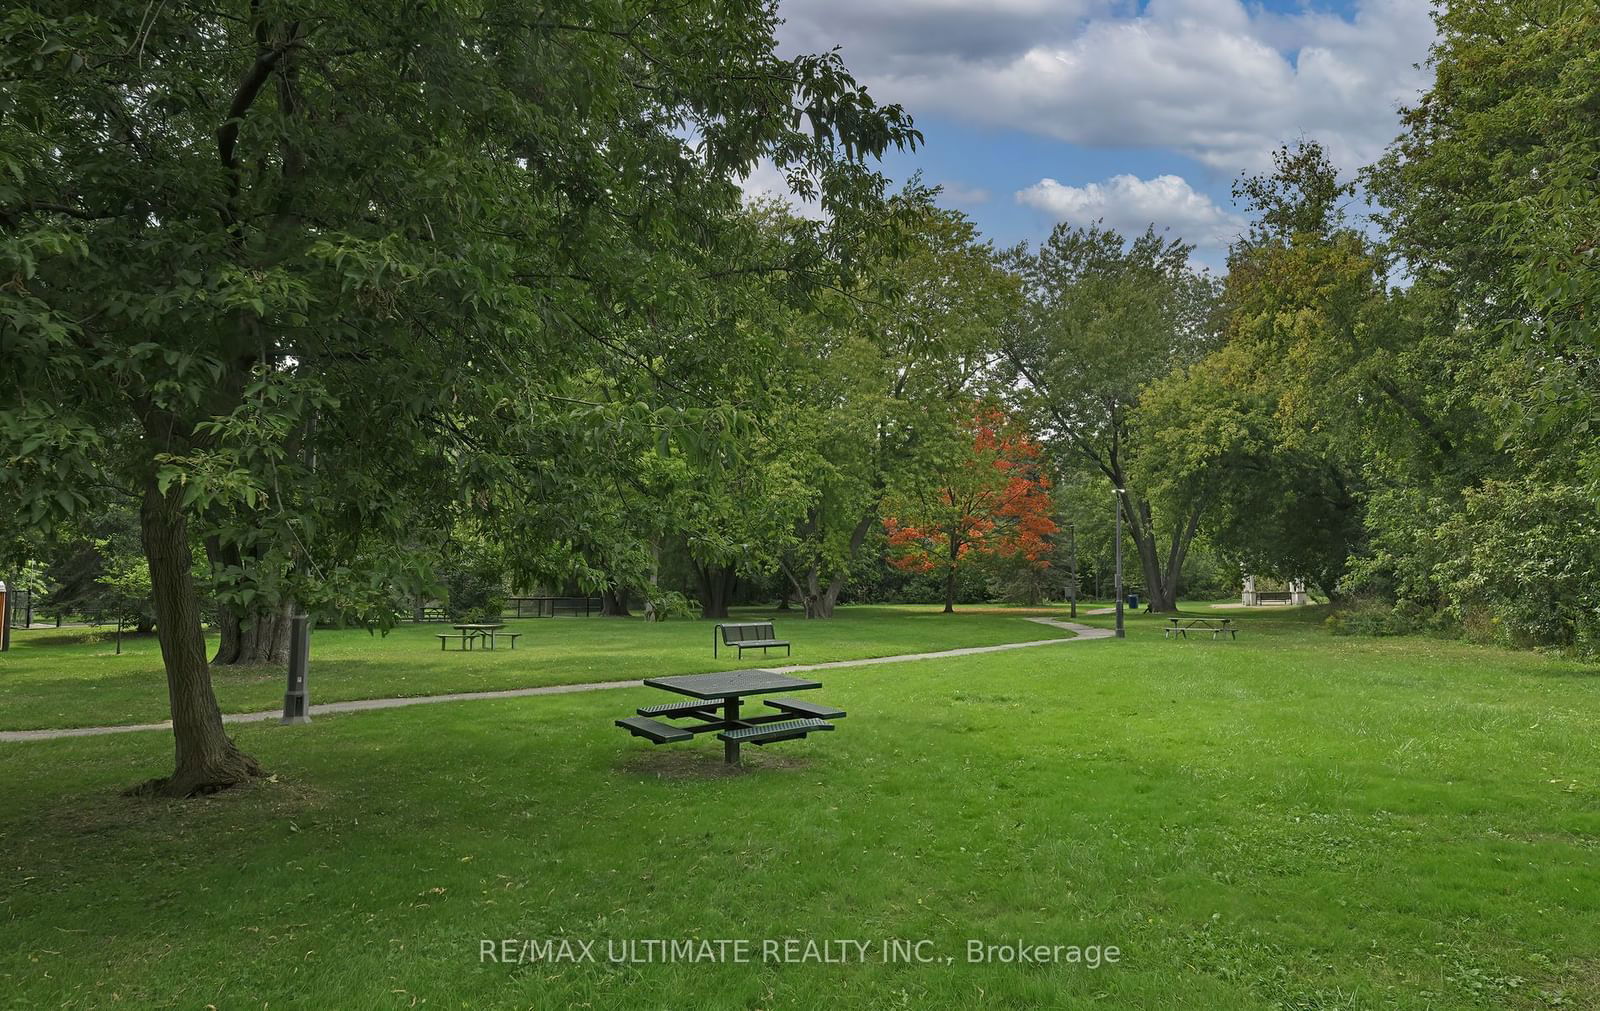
[{"x": 730, "y": 713}]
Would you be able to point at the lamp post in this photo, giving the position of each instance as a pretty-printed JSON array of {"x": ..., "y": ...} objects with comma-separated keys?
[
  {"x": 1121, "y": 634},
  {"x": 1072, "y": 539}
]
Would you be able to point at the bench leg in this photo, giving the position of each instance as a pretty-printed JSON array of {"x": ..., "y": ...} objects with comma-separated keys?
[{"x": 730, "y": 714}]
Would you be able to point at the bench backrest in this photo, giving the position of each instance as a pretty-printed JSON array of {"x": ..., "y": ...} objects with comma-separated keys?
[{"x": 732, "y": 634}]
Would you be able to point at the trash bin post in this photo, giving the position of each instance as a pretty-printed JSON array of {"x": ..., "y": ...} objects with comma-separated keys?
[{"x": 296, "y": 708}]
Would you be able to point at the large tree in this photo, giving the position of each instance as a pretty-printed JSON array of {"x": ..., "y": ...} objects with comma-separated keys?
[
  {"x": 890, "y": 365},
  {"x": 1268, "y": 428},
  {"x": 1489, "y": 202},
  {"x": 985, "y": 493},
  {"x": 334, "y": 266},
  {"x": 1106, "y": 316}
]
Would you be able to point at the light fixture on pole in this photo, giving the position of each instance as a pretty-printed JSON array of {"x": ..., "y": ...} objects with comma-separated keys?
[
  {"x": 1072, "y": 539},
  {"x": 1121, "y": 634}
]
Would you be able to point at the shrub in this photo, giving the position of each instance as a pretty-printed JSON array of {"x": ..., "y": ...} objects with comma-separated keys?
[
  {"x": 1524, "y": 565},
  {"x": 474, "y": 592},
  {"x": 1374, "y": 616}
]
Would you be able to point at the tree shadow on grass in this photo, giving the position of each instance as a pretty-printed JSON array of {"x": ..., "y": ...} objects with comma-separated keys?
[{"x": 706, "y": 764}]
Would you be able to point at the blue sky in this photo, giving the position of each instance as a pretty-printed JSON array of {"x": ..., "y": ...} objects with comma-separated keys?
[{"x": 1130, "y": 111}]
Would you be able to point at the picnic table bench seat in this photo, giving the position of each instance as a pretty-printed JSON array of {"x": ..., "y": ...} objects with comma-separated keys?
[
  {"x": 800, "y": 707},
  {"x": 767, "y": 733},
  {"x": 750, "y": 635},
  {"x": 654, "y": 730},
  {"x": 678, "y": 709},
  {"x": 445, "y": 637}
]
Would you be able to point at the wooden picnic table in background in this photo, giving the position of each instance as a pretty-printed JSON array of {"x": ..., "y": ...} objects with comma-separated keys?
[
  {"x": 472, "y": 632},
  {"x": 1181, "y": 627}
]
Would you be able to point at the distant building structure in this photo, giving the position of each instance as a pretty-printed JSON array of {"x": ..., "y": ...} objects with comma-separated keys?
[{"x": 1294, "y": 596}]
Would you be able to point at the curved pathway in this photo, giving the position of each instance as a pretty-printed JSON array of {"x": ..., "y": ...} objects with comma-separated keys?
[{"x": 1083, "y": 633}]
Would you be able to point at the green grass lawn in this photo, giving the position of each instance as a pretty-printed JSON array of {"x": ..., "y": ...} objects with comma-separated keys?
[
  {"x": 53, "y": 678},
  {"x": 1286, "y": 821}
]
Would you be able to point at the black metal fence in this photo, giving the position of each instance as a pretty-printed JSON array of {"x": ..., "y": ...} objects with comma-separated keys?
[{"x": 549, "y": 607}]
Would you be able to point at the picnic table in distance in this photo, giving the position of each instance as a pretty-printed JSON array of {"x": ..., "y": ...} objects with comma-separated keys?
[
  {"x": 717, "y": 710},
  {"x": 468, "y": 633},
  {"x": 1181, "y": 627}
]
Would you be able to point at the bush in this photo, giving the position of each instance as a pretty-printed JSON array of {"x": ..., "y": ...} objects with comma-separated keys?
[
  {"x": 474, "y": 593},
  {"x": 1374, "y": 616},
  {"x": 1524, "y": 566}
]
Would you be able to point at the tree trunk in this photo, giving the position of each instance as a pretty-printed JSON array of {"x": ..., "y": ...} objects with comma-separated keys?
[
  {"x": 246, "y": 637},
  {"x": 829, "y": 598},
  {"x": 716, "y": 588},
  {"x": 260, "y": 638},
  {"x": 205, "y": 758},
  {"x": 614, "y": 603},
  {"x": 1137, "y": 517},
  {"x": 808, "y": 590},
  {"x": 650, "y": 612},
  {"x": 1160, "y": 585}
]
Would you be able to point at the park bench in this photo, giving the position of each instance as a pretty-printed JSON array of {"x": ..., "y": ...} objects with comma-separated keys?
[
  {"x": 464, "y": 638},
  {"x": 1274, "y": 597},
  {"x": 759, "y": 634}
]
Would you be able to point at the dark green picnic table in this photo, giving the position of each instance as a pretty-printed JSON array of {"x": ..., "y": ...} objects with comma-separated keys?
[{"x": 717, "y": 709}]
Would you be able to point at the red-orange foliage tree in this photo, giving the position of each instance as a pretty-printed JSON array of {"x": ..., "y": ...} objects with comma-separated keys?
[{"x": 990, "y": 498}]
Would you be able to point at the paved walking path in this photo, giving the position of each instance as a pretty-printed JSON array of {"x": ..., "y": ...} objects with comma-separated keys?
[{"x": 1083, "y": 633}]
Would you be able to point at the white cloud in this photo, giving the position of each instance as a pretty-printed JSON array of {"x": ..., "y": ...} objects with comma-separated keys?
[
  {"x": 1129, "y": 204},
  {"x": 962, "y": 195},
  {"x": 766, "y": 182},
  {"x": 1214, "y": 79}
]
